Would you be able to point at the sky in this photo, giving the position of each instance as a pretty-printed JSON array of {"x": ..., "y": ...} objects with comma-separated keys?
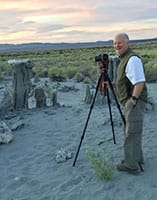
[{"x": 24, "y": 21}]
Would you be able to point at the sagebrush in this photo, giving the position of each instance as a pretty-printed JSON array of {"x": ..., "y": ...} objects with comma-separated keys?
[{"x": 103, "y": 169}]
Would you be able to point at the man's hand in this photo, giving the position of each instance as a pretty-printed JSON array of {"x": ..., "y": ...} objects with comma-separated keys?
[{"x": 106, "y": 83}]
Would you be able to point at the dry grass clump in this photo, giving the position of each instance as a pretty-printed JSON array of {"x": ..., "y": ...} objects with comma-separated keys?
[{"x": 103, "y": 169}]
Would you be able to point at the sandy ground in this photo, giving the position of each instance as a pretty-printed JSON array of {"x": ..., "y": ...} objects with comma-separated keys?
[{"x": 28, "y": 167}]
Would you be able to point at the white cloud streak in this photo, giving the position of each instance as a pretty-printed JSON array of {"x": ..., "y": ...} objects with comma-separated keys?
[{"x": 71, "y": 21}]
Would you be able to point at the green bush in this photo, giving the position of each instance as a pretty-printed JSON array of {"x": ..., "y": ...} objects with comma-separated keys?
[
  {"x": 151, "y": 71},
  {"x": 57, "y": 74},
  {"x": 77, "y": 63},
  {"x": 5, "y": 68},
  {"x": 37, "y": 70},
  {"x": 103, "y": 170},
  {"x": 79, "y": 77},
  {"x": 70, "y": 72}
]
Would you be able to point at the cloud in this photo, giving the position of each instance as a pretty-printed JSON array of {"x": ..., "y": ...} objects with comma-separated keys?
[
  {"x": 81, "y": 20},
  {"x": 50, "y": 28}
]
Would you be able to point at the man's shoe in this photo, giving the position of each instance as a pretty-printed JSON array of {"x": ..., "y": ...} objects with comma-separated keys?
[
  {"x": 123, "y": 167},
  {"x": 140, "y": 162}
]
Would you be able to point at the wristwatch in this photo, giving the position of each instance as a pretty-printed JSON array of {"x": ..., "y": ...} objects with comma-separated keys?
[{"x": 134, "y": 99}]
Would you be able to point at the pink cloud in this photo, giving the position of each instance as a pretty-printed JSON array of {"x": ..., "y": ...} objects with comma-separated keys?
[{"x": 84, "y": 19}]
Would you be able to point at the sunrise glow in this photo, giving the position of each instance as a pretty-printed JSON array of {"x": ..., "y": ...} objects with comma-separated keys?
[{"x": 71, "y": 21}]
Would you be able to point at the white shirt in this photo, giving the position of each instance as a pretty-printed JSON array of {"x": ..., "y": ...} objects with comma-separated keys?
[{"x": 134, "y": 70}]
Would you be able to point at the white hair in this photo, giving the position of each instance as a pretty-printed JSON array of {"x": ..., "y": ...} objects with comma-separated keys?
[{"x": 124, "y": 36}]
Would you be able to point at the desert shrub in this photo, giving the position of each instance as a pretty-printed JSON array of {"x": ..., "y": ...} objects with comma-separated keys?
[
  {"x": 145, "y": 58},
  {"x": 103, "y": 169},
  {"x": 43, "y": 73},
  {"x": 73, "y": 61},
  {"x": 70, "y": 72},
  {"x": 48, "y": 90},
  {"x": 5, "y": 68},
  {"x": 85, "y": 70},
  {"x": 79, "y": 77},
  {"x": 71, "y": 64},
  {"x": 151, "y": 71},
  {"x": 87, "y": 80},
  {"x": 57, "y": 74},
  {"x": 93, "y": 73},
  {"x": 88, "y": 70},
  {"x": 38, "y": 71}
]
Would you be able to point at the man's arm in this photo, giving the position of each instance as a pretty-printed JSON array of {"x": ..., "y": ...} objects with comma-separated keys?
[{"x": 137, "y": 89}]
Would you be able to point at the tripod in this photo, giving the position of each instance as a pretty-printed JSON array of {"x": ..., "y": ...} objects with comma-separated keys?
[{"x": 105, "y": 76}]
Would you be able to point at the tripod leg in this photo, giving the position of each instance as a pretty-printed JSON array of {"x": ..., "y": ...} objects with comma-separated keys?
[
  {"x": 86, "y": 124},
  {"x": 111, "y": 119},
  {"x": 141, "y": 167},
  {"x": 115, "y": 97}
]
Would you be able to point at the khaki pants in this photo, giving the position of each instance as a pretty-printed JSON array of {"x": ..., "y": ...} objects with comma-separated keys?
[{"x": 133, "y": 133}]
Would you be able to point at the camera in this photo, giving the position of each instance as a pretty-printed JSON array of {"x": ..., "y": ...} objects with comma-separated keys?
[{"x": 101, "y": 58}]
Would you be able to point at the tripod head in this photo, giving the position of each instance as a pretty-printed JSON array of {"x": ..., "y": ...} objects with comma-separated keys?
[{"x": 103, "y": 62}]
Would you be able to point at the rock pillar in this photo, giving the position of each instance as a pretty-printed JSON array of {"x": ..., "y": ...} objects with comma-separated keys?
[{"x": 22, "y": 71}]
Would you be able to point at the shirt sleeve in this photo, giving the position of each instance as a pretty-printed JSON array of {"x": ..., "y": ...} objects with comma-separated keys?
[{"x": 135, "y": 70}]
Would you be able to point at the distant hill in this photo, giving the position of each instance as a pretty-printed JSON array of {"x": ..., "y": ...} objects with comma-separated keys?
[{"x": 48, "y": 46}]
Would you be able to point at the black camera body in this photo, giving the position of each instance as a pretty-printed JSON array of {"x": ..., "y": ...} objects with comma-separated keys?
[{"x": 101, "y": 58}]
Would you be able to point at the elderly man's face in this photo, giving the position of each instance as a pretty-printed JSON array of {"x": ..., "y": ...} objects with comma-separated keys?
[{"x": 120, "y": 45}]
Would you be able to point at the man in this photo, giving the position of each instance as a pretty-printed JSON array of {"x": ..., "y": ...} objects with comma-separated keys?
[{"x": 132, "y": 95}]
